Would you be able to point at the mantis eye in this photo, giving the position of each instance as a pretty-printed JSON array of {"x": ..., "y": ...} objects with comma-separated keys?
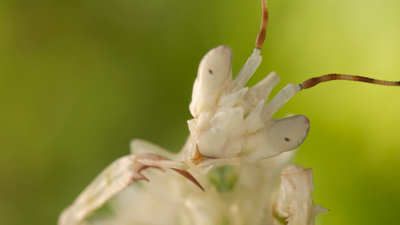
[
  {"x": 214, "y": 73},
  {"x": 288, "y": 133}
]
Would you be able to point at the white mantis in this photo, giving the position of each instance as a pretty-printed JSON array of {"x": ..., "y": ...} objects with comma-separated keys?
[{"x": 232, "y": 124}]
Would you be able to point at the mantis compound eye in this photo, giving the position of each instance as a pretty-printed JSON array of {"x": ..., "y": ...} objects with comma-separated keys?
[
  {"x": 288, "y": 133},
  {"x": 214, "y": 74},
  {"x": 277, "y": 137}
]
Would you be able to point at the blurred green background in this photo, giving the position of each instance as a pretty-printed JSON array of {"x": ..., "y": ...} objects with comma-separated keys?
[{"x": 80, "y": 79}]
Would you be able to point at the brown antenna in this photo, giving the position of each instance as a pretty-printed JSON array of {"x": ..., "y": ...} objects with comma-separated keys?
[
  {"x": 335, "y": 76},
  {"x": 263, "y": 27}
]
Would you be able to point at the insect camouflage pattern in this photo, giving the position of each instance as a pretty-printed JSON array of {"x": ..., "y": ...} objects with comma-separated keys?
[{"x": 235, "y": 168}]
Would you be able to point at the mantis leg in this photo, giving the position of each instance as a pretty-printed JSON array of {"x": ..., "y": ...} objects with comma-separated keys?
[
  {"x": 294, "y": 202},
  {"x": 115, "y": 178}
]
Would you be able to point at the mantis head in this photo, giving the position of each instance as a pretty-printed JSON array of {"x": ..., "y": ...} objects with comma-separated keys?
[{"x": 233, "y": 120}]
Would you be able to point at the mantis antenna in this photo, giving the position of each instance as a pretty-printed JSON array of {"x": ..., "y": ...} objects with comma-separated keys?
[
  {"x": 263, "y": 27},
  {"x": 309, "y": 83}
]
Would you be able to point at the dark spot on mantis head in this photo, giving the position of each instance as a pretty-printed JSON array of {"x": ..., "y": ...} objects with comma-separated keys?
[
  {"x": 287, "y": 139},
  {"x": 210, "y": 71}
]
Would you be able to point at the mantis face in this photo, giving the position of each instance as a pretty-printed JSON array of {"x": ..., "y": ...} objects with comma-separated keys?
[{"x": 231, "y": 119}]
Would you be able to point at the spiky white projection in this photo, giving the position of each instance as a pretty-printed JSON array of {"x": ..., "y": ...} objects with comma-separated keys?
[{"x": 235, "y": 168}]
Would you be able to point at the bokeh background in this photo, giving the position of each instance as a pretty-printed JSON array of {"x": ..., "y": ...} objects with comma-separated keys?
[{"x": 80, "y": 79}]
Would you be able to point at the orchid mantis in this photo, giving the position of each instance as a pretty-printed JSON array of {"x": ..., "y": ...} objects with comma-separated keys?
[{"x": 232, "y": 127}]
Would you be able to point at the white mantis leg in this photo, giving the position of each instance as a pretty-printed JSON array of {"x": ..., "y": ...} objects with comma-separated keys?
[
  {"x": 115, "y": 178},
  {"x": 294, "y": 200},
  {"x": 112, "y": 180}
]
